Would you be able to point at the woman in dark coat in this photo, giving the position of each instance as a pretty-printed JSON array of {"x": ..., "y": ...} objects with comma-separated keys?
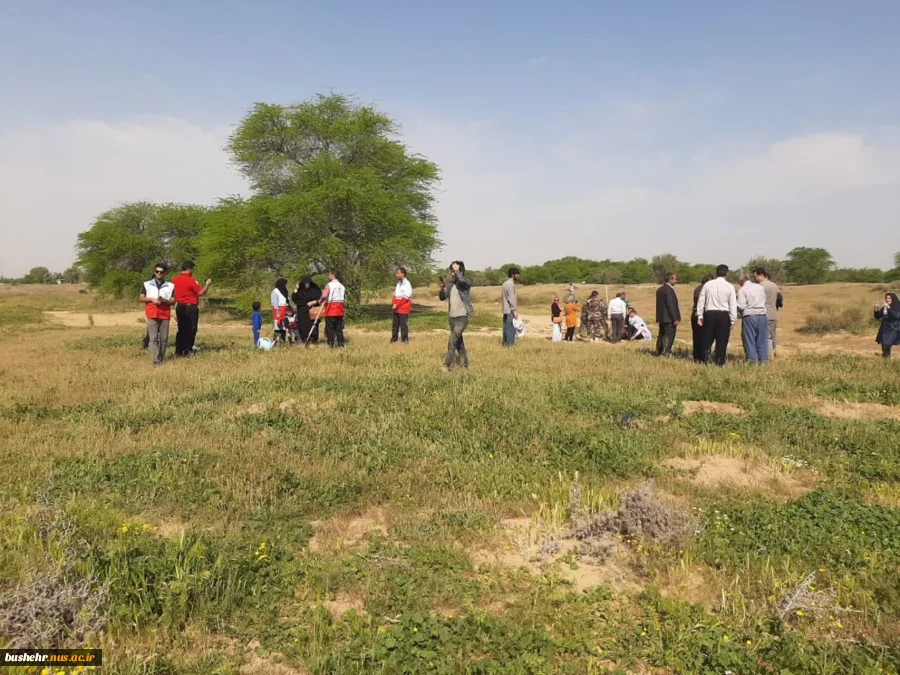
[
  {"x": 307, "y": 291},
  {"x": 889, "y": 332}
]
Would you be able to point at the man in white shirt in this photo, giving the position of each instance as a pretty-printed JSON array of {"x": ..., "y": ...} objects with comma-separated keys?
[
  {"x": 751, "y": 304},
  {"x": 618, "y": 309},
  {"x": 402, "y": 304},
  {"x": 637, "y": 327},
  {"x": 716, "y": 313}
]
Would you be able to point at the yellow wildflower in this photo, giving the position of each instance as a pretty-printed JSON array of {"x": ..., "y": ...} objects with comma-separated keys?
[
  {"x": 726, "y": 638},
  {"x": 124, "y": 529},
  {"x": 839, "y": 624},
  {"x": 749, "y": 643},
  {"x": 799, "y": 612}
]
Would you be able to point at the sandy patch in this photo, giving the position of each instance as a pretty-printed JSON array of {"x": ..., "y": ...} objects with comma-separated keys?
[
  {"x": 343, "y": 604},
  {"x": 693, "y": 407},
  {"x": 696, "y": 585},
  {"x": 83, "y": 319},
  {"x": 342, "y": 532},
  {"x": 291, "y": 406},
  {"x": 540, "y": 550},
  {"x": 269, "y": 665},
  {"x": 858, "y": 411},
  {"x": 170, "y": 529},
  {"x": 715, "y": 471}
]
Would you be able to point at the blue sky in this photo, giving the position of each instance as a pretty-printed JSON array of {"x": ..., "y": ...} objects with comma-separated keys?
[{"x": 712, "y": 130}]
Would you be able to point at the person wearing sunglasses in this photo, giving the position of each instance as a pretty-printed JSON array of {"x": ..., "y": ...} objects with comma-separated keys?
[{"x": 158, "y": 296}]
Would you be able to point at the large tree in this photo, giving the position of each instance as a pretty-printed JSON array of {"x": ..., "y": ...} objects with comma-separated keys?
[
  {"x": 774, "y": 266},
  {"x": 662, "y": 264},
  {"x": 334, "y": 188},
  {"x": 72, "y": 275},
  {"x": 808, "y": 265},
  {"x": 38, "y": 275},
  {"x": 124, "y": 243}
]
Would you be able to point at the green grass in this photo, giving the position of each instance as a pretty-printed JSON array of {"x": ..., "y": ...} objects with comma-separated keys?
[{"x": 244, "y": 496}]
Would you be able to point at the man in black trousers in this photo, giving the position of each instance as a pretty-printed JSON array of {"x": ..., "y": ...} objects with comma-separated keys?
[
  {"x": 696, "y": 329},
  {"x": 717, "y": 312},
  {"x": 668, "y": 315}
]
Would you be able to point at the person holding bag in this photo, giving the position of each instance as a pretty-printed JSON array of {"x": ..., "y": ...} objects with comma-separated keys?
[{"x": 556, "y": 317}]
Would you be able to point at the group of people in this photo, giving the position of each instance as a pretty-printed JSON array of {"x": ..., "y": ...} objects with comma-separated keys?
[
  {"x": 717, "y": 306},
  {"x": 299, "y": 323},
  {"x": 598, "y": 321},
  {"x": 158, "y": 296}
]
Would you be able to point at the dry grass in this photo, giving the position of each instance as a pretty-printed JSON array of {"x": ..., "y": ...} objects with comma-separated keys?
[
  {"x": 834, "y": 317},
  {"x": 370, "y": 476}
]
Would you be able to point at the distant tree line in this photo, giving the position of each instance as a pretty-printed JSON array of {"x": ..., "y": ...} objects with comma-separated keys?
[
  {"x": 42, "y": 275},
  {"x": 801, "y": 266}
]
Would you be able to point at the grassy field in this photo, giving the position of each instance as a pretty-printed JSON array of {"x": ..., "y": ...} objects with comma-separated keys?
[{"x": 556, "y": 509}]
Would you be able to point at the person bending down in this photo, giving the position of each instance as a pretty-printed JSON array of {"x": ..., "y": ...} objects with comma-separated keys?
[{"x": 637, "y": 327}]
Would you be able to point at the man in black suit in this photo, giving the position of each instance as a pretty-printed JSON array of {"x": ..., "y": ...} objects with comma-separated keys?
[{"x": 668, "y": 315}]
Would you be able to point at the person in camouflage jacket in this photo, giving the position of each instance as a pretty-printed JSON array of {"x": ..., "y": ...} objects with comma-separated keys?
[{"x": 595, "y": 317}]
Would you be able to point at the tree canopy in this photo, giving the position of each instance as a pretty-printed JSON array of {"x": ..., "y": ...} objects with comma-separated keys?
[
  {"x": 774, "y": 266},
  {"x": 38, "y": 275},
  {"x": 334, "y": 189},
  {"x": 124, "y": 243},
  {"x": 809, "y": 265},
  {"x": 662, "y": 265}
]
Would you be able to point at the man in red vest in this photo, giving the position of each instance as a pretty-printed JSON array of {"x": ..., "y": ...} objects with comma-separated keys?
[
  {"x": 187, "y": 295},
  {"x": 158, "y": 296},
  {"x": 402, "y": 304},
  {"x": 333, "y": 299}
]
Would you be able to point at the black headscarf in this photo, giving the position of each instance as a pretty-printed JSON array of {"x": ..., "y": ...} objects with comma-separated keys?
[
  {"x": 894, "y": 309},
  {"x": 281, "y": 285},
  {"x": 306, "y": 295}
]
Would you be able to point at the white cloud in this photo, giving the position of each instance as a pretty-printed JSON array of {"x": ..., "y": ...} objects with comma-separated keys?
[
  {"x": 583, "y": 196},
  {"x": 54, "y": 179},
  {"x": 505, "y": 197},
  {"x": 541, "y": 60}
]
